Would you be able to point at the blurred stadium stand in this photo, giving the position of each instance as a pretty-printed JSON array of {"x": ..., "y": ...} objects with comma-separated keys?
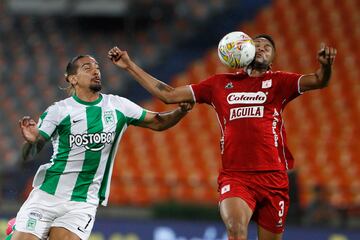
[{"x": 181, "y": 164}]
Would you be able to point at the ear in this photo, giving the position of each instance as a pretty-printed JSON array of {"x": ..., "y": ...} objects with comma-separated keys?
[{"x": 72, "y": 79}]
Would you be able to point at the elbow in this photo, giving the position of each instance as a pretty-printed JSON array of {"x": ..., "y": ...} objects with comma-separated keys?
[
  {"x": 159, "y": 128},
  {"x": 166, "y": 100},
  {"x": 323, "y": 84},
  {"x": 320, "y": 86}
]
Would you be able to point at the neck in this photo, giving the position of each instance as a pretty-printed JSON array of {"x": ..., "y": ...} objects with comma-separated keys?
[{"x": 87, "y": 96}]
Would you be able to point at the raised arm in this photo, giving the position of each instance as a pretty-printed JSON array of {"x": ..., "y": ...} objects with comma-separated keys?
[
  {"x": 34, "y": 142},
  {"x": 164, "y": 120},
  {"x": 320, "y": 78},
  {"x": 159, "y": 89}
]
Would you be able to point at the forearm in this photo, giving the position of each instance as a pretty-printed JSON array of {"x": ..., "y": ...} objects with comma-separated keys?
[
  {"x": 29, "y": 150},
  {"x": 156, "y": 87},
  {"x": 166, "y": 120},
  {"x": 323, "y": 75},
  {"x": 319, "y": 79}
]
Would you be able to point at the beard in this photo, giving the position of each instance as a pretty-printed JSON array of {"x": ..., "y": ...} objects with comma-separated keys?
[
  {"x": 96, "y": 87},
  {"x": 259, "y": 65}
]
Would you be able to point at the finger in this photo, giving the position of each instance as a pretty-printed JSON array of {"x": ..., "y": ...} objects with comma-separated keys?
[
  {"x": 333, "y": 52},
  {"x": 332, "y": 59},
  {"x": 32, "y": 122},
  {"x": 322, "y": 46},
  {"x": 25, "y": 121},
  {"x": 327, "y": 51},
  {"x": 321, "y": 51},
  {"x": 332, "y": 55}
]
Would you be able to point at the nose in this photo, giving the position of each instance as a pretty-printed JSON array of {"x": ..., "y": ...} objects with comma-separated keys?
[
  {"x": 96, "y": 72},
  {"x": 260, "y": 48}
]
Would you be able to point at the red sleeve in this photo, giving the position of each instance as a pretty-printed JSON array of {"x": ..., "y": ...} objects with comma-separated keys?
[
  {"x": 203, "y": 91},
  {"x": 289, "y": 85}
]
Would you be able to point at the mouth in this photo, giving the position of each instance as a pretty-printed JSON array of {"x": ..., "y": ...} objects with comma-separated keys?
[{"x": 96, "y": 80}]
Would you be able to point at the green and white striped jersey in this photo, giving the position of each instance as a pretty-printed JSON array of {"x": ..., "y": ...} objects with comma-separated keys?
[{"x": 85, "y": 137}]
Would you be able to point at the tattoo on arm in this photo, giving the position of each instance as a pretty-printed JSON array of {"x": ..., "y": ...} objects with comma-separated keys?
[{"x": 163, "y": 87}]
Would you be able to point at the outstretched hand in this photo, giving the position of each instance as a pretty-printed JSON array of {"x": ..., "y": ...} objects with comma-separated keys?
[
  {"x": 326, "y": 55},
  {"x": 29, "y": 129},
  {"x": 186, "y": 106},
  {"x": 119, "y": 58}
]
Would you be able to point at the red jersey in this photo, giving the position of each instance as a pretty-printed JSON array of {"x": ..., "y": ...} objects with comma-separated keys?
[{"x": 249, "y": 112}]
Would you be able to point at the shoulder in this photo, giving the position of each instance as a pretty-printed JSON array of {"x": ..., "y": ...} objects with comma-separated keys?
[
  {"x": 222, "y": 77},
  {"x": 119, "y": 102},
  {"x": 59, "y": 105},
  {"x": 115, "y": 99},
  {"x": 57, "y": 110},
  {"x": 283, "y": 74}
]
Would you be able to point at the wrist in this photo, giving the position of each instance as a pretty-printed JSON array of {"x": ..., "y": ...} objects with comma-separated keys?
[
  {"x": 131, "y": 66},
  {"x": 325, "y": 65}
]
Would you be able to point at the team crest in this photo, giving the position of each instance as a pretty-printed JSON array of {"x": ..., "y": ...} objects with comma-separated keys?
[
  {"x": 109, "y": 117},
  {"x": 266, "y": 84},
  {"x": 31, "y": 224},
  {"x": 229, "y": 85}
]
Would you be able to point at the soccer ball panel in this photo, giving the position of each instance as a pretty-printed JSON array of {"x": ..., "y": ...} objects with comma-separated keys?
[{"x": 236, "y": 50}]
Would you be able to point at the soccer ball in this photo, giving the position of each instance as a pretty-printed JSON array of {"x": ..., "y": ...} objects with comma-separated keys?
[{"x": 236, "y": 50}]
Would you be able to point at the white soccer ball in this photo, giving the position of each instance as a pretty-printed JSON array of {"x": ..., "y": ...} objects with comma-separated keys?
[{"x": 236, "y": 50}]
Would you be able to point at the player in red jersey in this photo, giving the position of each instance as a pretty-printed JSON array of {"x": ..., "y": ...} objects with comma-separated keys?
[{"x": 253, "y": 181}]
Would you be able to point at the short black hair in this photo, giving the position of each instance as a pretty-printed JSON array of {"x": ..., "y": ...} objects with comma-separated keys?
[
  {"x": 72, "y": 67},
  {"x": 267, "y": 37}
]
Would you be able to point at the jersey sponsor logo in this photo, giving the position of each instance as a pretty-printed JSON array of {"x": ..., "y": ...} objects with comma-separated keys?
[
  {"x": 246, "y": 97},
  {"x": 75, "y": 121},
  {"x": 84, "y": 140},
  {"x": 35, "y": 215},
  {"x": 247, "y": 112},
  {"x": 225, "y": 189},
  {"x": 274, "y": 127},
  {"x": 229, "y": 85}
]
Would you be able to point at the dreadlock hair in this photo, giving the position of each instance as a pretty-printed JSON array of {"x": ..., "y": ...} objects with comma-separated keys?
[{"x": 71, "y": 69}]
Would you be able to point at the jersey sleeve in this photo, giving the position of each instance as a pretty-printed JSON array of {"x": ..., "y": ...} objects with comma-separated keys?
[
  {"x": 289, "y": 85},
  {"x": 133, "y": 112},
  {"x": 202, "y": 92},
  {"x": 48, "y": 122}
]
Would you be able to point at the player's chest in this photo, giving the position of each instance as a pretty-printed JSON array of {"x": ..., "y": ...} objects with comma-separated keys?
[
  {"x": 247, "y": 92},
  {"x": 94, "y": 119}
]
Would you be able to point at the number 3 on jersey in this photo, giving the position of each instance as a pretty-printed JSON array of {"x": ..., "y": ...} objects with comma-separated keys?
[{"x": 282, "y": 206}]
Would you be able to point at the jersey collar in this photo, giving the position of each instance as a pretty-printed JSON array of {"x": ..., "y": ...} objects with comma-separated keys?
[{"x": 76, "y": 98}]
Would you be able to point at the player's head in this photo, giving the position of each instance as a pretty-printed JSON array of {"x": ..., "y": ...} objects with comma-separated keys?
[
  {"x": 83, "y": 72},
  {"x": 265, "y": 51}
]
